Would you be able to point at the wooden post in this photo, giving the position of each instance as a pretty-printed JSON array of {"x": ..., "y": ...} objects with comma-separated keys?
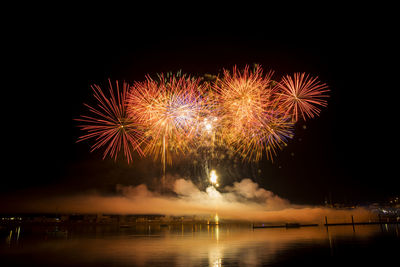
[
  {"x": 327, "y": 228},
  {"x": 352, "y": 221},
  {"x": 380, "y": 222}
]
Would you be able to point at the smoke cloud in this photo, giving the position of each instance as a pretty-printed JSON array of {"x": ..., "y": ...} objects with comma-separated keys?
[{"x": 244, "y": 201}]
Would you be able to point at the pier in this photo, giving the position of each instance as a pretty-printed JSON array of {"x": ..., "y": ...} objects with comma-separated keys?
[
  {"x": 287, "y": 225},
  {"x": 360, "y": 223}
]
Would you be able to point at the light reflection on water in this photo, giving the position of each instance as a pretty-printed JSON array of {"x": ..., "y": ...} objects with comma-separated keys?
[{"x": 190, "y": 245}]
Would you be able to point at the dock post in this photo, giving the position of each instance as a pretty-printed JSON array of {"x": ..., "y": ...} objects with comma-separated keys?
[
  {"x": 327, "y": 228},
  {"x": 352, "y": 222},
  {"x": 380, "y": 222}
]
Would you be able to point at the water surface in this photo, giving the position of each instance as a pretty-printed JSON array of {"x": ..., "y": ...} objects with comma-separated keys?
[{"x": 199, "y": 245}]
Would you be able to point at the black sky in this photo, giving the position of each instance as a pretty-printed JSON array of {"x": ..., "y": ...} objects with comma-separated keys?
[{"x": 348, "y": 152}]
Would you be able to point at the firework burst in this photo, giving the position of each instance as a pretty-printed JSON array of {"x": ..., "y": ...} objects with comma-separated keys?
[
  {"x": 266, "y": 134},
  {"x": 168, "y": 110},
  {"x": 302, "y": 95},
  {"x": 109, "y": 125},
  {"x": 252, "y": 119},
  {"x": 242, "y": 96}
]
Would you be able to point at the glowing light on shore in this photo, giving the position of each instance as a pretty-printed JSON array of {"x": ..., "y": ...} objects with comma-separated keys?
[{"x": 214, "y": 178}]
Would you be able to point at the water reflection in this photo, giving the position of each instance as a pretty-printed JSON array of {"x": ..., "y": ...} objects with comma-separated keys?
[
  {"x": 13, "y": 235},
  {"x": 177, "y": 245}
]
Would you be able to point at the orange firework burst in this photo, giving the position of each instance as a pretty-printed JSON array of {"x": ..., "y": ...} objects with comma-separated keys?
[
  {"x": 242, "y": 96},
  {"x": 267, "y": 133},
  {"x": 168, "y": 110},
  {"x": 110, "y": 124},
  {"x": 301, "y": 95},
  {"x": 253, "y": 121}
]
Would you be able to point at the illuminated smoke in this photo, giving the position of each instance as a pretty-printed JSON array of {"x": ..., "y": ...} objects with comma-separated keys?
[{"x": 244, "y": 201}]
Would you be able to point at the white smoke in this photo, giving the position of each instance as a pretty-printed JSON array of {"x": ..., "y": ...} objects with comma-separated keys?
[{"x": 244, "y": 200}]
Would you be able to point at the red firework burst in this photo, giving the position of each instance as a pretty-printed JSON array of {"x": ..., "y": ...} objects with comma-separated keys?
[
  {"x": 110, "y": 125},
  {"x": 301, "y": 95}
]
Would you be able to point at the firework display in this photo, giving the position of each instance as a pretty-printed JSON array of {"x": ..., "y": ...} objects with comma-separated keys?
[{"x": 245, "y": 111}]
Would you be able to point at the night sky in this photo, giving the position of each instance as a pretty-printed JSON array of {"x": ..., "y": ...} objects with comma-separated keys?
[{"x": 349, "y": 152}]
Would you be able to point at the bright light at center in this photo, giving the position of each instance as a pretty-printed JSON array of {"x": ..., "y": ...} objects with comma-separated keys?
[{"x": 213, "y": 177}]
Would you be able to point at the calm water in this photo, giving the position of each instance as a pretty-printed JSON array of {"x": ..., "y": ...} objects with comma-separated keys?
[{"x": 199, "y": 245}]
